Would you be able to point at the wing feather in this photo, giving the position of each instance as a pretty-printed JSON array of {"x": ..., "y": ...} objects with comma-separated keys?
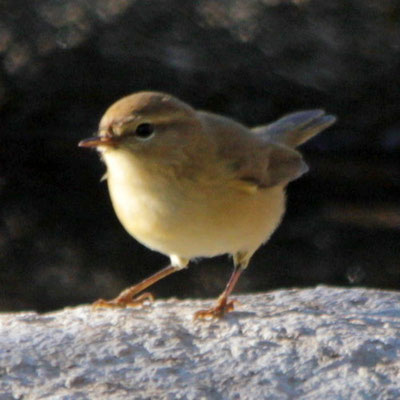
[{"x": 252, "y": 162}]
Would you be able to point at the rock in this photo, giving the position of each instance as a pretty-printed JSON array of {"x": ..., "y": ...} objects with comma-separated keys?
[{"x": 321, "y": 343}]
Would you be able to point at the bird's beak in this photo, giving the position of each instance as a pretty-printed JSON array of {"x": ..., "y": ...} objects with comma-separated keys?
[{"x": 98, "y": 141}]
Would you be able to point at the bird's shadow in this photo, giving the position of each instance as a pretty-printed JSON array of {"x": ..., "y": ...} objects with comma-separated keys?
[{"x": 231, "y": 318}]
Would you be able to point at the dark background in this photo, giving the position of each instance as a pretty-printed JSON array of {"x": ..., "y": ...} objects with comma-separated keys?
[{"x": 62, "y": 63}]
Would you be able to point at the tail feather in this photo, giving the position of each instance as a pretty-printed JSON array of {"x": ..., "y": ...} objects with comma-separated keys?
[{"x": 294, "y": 129}]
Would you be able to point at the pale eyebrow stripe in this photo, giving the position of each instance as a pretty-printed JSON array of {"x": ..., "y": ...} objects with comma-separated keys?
[{"x": 125, "y": 120}]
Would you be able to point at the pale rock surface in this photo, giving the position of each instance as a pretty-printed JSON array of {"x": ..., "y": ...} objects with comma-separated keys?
[{"x": 322, "y": 343}]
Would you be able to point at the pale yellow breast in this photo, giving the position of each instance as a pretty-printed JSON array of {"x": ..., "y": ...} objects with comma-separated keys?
[{"x": 190, "y": 219}]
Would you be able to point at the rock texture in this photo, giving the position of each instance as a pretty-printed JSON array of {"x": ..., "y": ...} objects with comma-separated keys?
[{"x": 322, "y": 343}]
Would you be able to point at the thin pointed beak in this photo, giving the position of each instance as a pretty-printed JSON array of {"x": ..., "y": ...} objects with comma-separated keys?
[{"x": 98, "y": 141}]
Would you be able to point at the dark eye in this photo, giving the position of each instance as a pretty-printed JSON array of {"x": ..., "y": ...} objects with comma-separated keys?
[{"x": 144, "y": 130}]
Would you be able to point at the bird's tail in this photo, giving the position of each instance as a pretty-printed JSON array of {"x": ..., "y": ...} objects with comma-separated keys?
[{"x": 294, "y": 129}]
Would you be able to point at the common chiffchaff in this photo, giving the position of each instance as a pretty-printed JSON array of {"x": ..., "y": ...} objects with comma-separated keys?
[{"x": 193, "y": 184}]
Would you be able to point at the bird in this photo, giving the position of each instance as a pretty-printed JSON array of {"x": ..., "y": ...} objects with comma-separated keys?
[{"x": 192, "y": 184}]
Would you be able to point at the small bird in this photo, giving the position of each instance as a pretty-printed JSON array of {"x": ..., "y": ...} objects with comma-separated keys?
[{"x": 192, "y": 184}]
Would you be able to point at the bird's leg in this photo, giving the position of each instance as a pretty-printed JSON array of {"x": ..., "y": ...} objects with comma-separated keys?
[
  {"x": 224, "y": 306},
  {"x": 127, "y": 297}
]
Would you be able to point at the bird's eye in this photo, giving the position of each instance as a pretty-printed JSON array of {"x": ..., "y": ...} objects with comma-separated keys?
[{"x": 144, "y": 131}]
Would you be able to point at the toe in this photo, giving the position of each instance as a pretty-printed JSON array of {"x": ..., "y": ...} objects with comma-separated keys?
[
  {"x": 123, "y": 302},
  {"x": 216, "y": 312}
]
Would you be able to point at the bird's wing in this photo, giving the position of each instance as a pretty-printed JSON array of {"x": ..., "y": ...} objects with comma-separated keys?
[
  {"x": 268, "y": 165},
  {"x": 250, "y": 161},
  {"x": 294, "y": 129}
]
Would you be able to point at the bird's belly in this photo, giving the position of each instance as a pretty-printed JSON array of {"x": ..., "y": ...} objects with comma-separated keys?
[{"x": 200, "y": 225}]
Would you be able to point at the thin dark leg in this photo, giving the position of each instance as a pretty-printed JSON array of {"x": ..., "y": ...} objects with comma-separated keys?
[
  {"x": 126, "y": 297},
  {"x": 223, "y": 306}
]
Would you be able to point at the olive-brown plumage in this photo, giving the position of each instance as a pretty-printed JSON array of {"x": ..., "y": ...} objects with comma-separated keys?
[{"x": 193, "y": 184}]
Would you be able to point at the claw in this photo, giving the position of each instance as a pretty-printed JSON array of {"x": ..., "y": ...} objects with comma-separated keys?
[
  {"x": 217, "y": 312},
  {"x": 123, "y": 302}
]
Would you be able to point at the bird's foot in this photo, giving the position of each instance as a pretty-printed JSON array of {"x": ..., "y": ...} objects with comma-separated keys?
[
  {"x": 124, "y": 301},
  {"x": 223, "y": 307}
]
